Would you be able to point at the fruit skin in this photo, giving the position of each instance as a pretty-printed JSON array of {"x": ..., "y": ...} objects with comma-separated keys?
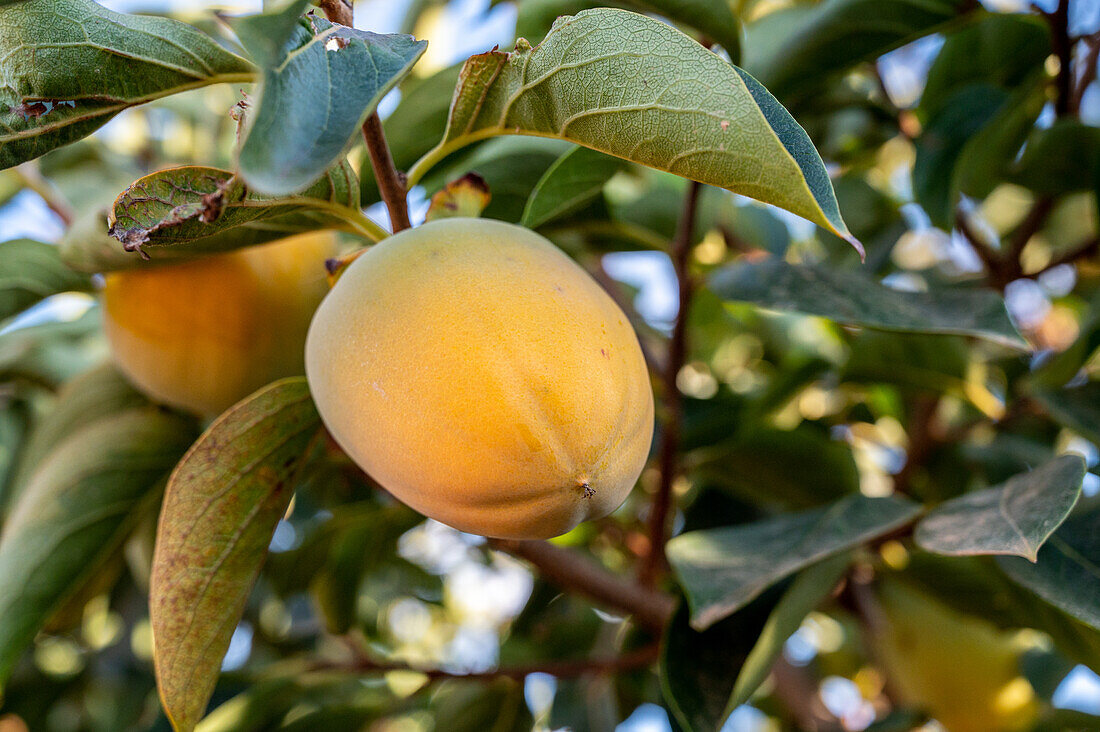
[
  {"x": 203, "y": 334},
  {"x": 962, "y": 670},
  {"x": 482, "y": 377}
]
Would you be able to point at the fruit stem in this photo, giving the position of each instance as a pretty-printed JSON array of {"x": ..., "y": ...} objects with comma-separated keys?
[{"x": 391, "y": 184}]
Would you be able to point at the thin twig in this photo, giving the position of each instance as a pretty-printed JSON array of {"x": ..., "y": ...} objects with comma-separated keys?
[
  {"x": 30, "y": 176},
  {"x": 797, "y": 690},
  {"x": 391, "y": 184},
  {"x": 1063, "y": 49},
  {"x": 338, "y": 11},
  {"x": 924, "y": 438},
  {"x": 639, "y": 658},
  {"x": 571, "y": 571},
  {"x": 985, "y": 252},
  {"x": 1031, "y": 224},
  {"x": 655, "y": 561},
  {"x": 1088, "y": 73}
]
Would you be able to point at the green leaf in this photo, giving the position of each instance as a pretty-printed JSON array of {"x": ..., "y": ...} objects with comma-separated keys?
[
  {"x": 1076, "y": 407},
  {"x": 76, "y": 508},
  {"x": 1014, "y": 518},
  {"x": 715, "y": 19},
  {"x": 998, "y": 49},
  {"x": 182, "y": 213},
  {"x": 574, "y": 180},
  {"x": 471, "y": 706},
  {"x": 723, "y": 569},
  {"x": 794, "y": 49},
  {"x": 943, "y": 141},
  {"x": 51, "y": 353},
  {"x": 806, "y": 593},
  {"x": 784, "y": 469},
  {"x": 675, "y": 106},
  {"x": 698, "y": 669},
  {"x": 71, "y": 65},
  {"x": 852, "y": 298},
  {"x": 1064, "y": 157},
  {"x": 86, "y": 399},
  {"x": 31, "y": 271},
  {"x": 1067, "y": 573},
  {"x": 988, "y": 155},
  {"x": 220, "y": 509},
  {"x": 975, "y": 585},
  {"x": 320, "y": 81}
]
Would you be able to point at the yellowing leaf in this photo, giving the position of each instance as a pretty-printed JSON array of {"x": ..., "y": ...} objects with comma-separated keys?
[{"x": 220, "y": 509}]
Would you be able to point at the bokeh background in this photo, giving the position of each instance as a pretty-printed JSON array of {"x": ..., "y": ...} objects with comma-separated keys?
[{"x": 469, "y": 600}]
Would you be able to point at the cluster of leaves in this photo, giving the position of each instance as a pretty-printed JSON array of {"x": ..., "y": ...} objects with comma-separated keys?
[{"x": 809, "y": 383}]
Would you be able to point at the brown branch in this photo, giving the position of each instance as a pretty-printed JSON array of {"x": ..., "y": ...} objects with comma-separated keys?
[
  {"x": 639, "y": 658},
  {"x": 391, "y": 184},
  {"x": 338, "y": 11},
  {"x": 571, "y": 571},
  {"x": 1031, "y": 224},
  {"x": 30, "y": 177},
  {"x": 655, "y": 561},
  {"x": 924, "y": 438},
  {"x": 797, "y": 690},
  {"x": 994, "y": 265},
  {"x": 1088, "y": 74},
  {"x": 1063, "y": 49}
]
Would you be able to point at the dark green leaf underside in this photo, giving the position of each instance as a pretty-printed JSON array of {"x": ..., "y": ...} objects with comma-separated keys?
[{"x": 853, "y": 298}]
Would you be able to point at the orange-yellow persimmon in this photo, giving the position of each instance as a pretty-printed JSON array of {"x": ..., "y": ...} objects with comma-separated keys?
[
  {"x": 481, "y": 376},
  {"x": 201, "y": 335}
]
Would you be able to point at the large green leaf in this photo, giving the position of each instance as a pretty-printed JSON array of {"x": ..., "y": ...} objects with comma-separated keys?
[
  {"x": 699, "y": 667},
  {"x": 942, "y": 142},
  {"x": 808, "y": 590},
  {"x": 662, "y": 100},
  {"x": 975, "y": 585},
  {"x": 715, "y": 19},
  {"x": 998, "y": 49},
  {"x": 1014, "y": 518},
  {"x": 853, "y": 298},
  {"x": 87, "y": 398},
  {"x": 1062, "y": 158},
  {"x": 723, "y": 569},
  {"x": 71, "y": 65},
  {"x": 49, "y": 354},
  {"x": 320, "y": 81},
  {"x": 987, "y": 156},
  {"x": 574, "y": 180},
  {"x": 783, "y": 469},
  {"x": 1076, "y": 407},
  {"x": 181, "y": 213},
  {"x": 76, "y": 508},
  {"x": 1067, "y": 573},
  {"x": 30, "y": 271},
  {"x": 220, "y": 509},
  {"x": 795, "y": 48}
]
